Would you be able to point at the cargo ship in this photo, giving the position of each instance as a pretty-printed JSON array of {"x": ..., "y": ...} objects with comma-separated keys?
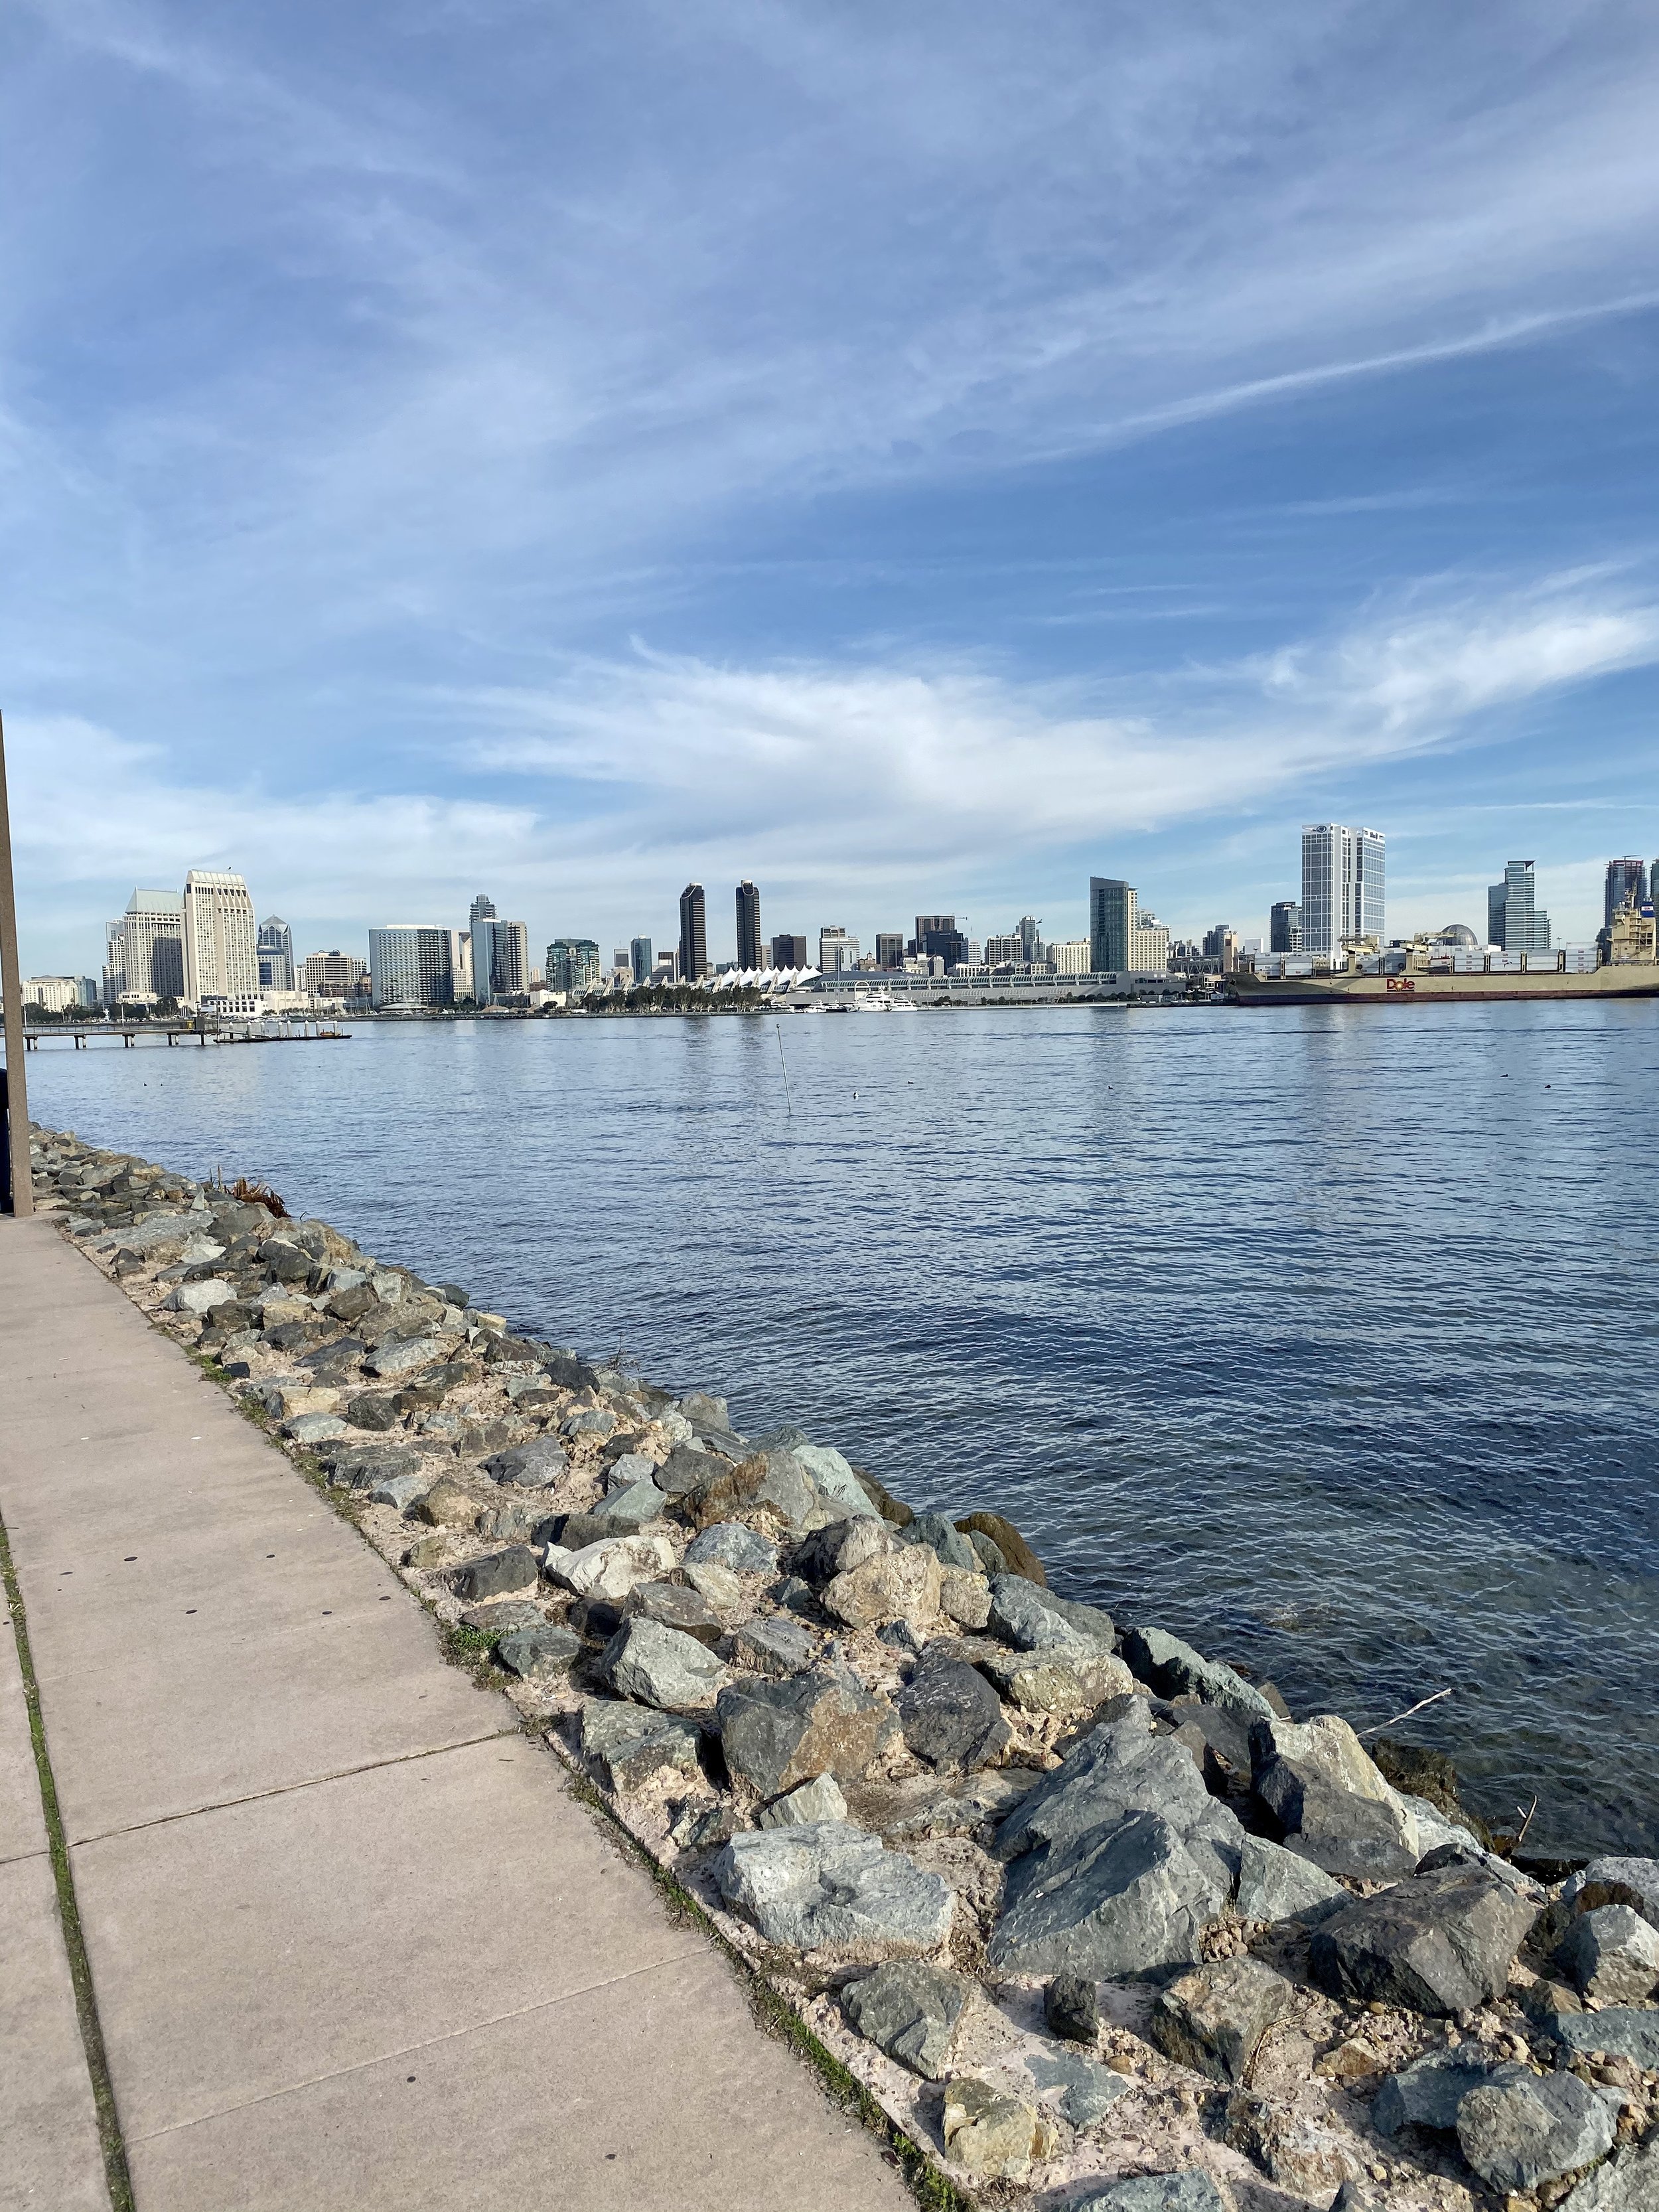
[{"x": 1623, "y": 979}]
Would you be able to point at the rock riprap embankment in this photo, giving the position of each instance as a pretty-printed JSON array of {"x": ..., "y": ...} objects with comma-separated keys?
[{"x": 1095, "y": 1917}]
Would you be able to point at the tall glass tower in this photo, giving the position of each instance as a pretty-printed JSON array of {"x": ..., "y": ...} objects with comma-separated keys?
[{"x": 1343, "y": 883}]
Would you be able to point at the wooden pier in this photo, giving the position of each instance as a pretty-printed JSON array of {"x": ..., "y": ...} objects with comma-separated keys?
[{"x": 270, "y": 1031}]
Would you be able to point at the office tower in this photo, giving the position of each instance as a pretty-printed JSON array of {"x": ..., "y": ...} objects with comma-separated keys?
[
  {"x": 221, "y": 945},
  {"x": 890, "y": 948},
  {"x": 461, "y": 963},
  {"x": 1149, "y": 945},
  {"x": 788, "y": 951},
  {"x": 509, "y": 967},
  {"x": 1111, "y": 924},
  {"x": 1221, "y": 944},
  {"x": 411, "y": 964},
  {"x": 481, "y": 930},
  {"x": 1626, "y": 885},
  {"x": 275, "y": 955},
  {"x": 667, "y": 970},
  {"x": 837, "y": 952},
  {"x": 1004, "y": 952},
  {"x": 749, "y": 927},
  {"x": 1284, "y": 926},
  {"x": 640, "y": 959},
  {"x": 1513, "y": 919},
  {"x": 331, "y": 975},
  {"x": 572, "y": 964},
  {"x": 693, "y": 935},
  {"x": 1342, "y": 885},
  {"x": 146, "y": 951},
  {"x": 1030, "y": 933},
  {"x": 938, "y": 937}
]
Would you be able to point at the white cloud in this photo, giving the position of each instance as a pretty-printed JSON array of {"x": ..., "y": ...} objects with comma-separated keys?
[{"x": 846, "y": 787}]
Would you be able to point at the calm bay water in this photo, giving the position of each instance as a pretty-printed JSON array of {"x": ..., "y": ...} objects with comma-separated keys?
[{"x": 1324, "y": 1336}]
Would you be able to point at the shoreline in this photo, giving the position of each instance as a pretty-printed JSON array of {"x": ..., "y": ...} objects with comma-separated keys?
[{"x": 804, "y": 1701}]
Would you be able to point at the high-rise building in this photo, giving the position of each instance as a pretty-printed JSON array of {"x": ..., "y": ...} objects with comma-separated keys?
[
  {"x": 572, "y": 964},
  {"x": 694, "y": 934},
  {"x": 275, "y": 955},
  {"x": 749, "y": 927},
  {"x": 837, "y": 950},
  {"x": 1030, "y": 933},
  {"x": 146, "y": 950},
  {"x": 788, "y": 951},
  {"x": 1342, "y": 885},
  {"x": 1111, "y": 925},
  {"x": 1626, "y": 885},
  {"x": 482, "y": 929},
  {"x": 510, "y": 974},
  {"x": 1513, "y": 919},
  {"x": 890, "y": 948},
  {"x": 640, "y": 959},
  {"x": 221, "y": 945},
  {"x": 411, "y": 964},
  {"x": 1221, "y": 944},
  {"x": 1069, "y": 956},
  {"x": 331, "y": 975},
  {"x": 938, "y": 937},
  {"x": 1149, "y": 945},
  {"x": 1284, "y": 926}
]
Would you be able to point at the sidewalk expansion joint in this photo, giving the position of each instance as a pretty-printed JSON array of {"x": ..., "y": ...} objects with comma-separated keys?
[
  {"x": 413, "y": 2050},
  {"x": 116, "y": 2176},
  {"x": 291, "y": 1789}
]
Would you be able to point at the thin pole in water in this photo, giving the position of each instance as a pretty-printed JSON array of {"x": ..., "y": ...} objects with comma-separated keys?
[{"x": 784, "y": 1065}]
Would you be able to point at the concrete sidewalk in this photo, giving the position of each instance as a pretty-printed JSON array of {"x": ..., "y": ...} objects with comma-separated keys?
[{"x": 353, "y": 1943}]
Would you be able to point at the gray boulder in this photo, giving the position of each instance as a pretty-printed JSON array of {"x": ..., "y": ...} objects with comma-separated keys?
[
  {"x": 686, "y": 1467},
  {"x": 777, "y": 1733},
  {"x": 935, "y": 1531},
  {"x": 1110, "y": 1902},
  {"x": 1427, "y": 2093},
  {"x": 911, "y": 2009},
  {"x": 730, "y": 1544},
  {"x": 400, "y": 1491},
  {"x": 774, "y": 1646},
  {"x": 662, "y": 1666},
  {"x": 1613, "y": 1881},
  {"x": 532, "y": 1466},
  {"x": 818, "y": 1799},
  {"x": 1441, "y": 1942},
  {"x": 1088, "y": 2091},
  {"x": 951, "y": 1717},
  {"x": 1071, "y": 2007},
  {"x": 1171, "y": 1667},
  {"x": 1325, "y": 1794},
  {"x": 626, "y": 1747},
  {"x": 1192, "y": 2190},
  {"x": 634, "y": 1507},
  {"x": 1120, "y": 1769},
  {"x": 831, "y": 1887},
  {"x": 1521, "y": 2130},
  {"x": 833, "y": 1478},
  {"x": 1623, "y": 2031},
  {"x": 838, "y": 1548},
  {"x": 1212, "y": 2018},
  {"x": 1611, "y": 1954},
  {"x": 1627, "y": 2183},
  {"x": 672, "y": 1606},
  {"x": 536, "y": 1654},
  {"x": 1275, "y": 1884},
  {"x": 1021, "y": 1614},
  {"x": 403, "y": 1355},
  {"x": 497, "y": 1574}
]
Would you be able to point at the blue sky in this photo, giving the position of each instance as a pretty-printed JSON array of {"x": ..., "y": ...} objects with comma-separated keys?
[{"x": 913, "y": 458}]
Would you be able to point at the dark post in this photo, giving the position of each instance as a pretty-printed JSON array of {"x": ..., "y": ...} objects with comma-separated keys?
[{"x": 19, "y": 1197}]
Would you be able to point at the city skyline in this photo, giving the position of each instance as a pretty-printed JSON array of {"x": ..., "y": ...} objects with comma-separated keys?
[{"x": 1104, "y": 448}]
